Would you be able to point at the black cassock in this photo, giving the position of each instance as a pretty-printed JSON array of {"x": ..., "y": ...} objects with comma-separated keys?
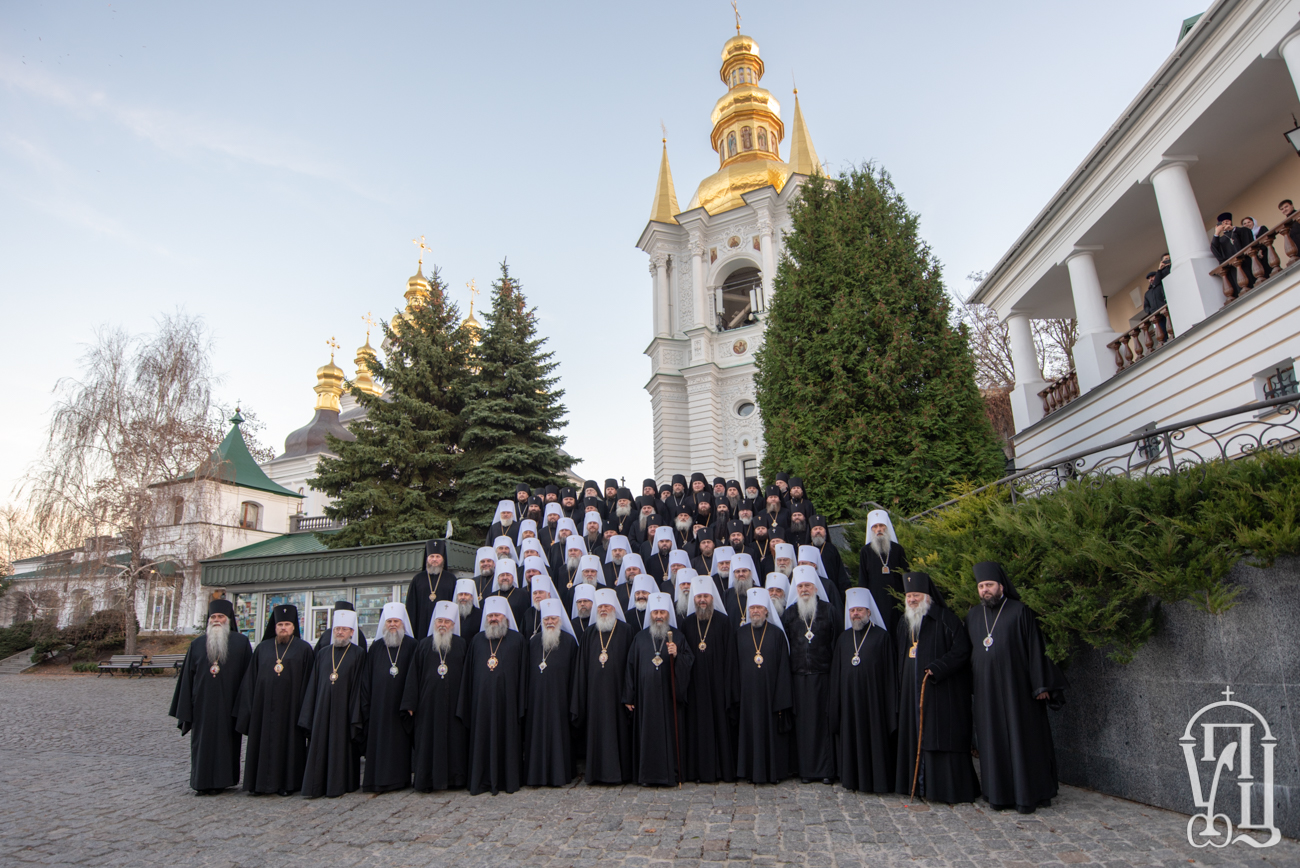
[
  {"x": 548, "y": 738},
  {"x": 762, "y": 697},
  {"x": 637, "y": 618},
  {"x": 440, "y": 740},
  {"x": 810, "y": 677},
  {"x": 863, "y": 709},
  {"x": 331, "y": 713},
  {"x": 423, "y": 594},
  {"x": 656, "y": 730},
  {"x": 834, "y": 564},
  {"x": 872, "y": 576},
  {"x": 388, "y": 728},
  {"x": 204, "y": 706},
  {"x": 709, "y": 751},
  {"x": 492, "y": 704},
  {"x": 598, "y": 704},
  {"x": 520, "y": 601},
  {"x": 1017, "y": 759},
  {"x": 737, "y": 604},
  {"x": 269, "y": 705},
  {"x": 947, "y": 773},
  {"x": 469, "y": 625}
]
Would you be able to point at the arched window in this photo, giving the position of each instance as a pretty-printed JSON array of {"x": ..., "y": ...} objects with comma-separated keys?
[
  {"x": 250, "y": 515},
  {"x": 740, "y": 297},
  {"x": 762, "y": 138},
  {"x": 747, "y": 138},
  {"x": 731, "y": 144}
]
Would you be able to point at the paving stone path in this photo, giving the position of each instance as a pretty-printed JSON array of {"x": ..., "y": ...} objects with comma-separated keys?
[{"x": 93, "y": 772}]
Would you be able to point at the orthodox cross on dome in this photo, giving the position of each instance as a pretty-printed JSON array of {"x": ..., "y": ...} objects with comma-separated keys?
[
  {"x": 736, "y": 9},
  {"x": 370, "y": 323},
  {"x": 333, "y": 345},
  {"x": 419, "y": 242},
  {"x": 473, "y": 293}
]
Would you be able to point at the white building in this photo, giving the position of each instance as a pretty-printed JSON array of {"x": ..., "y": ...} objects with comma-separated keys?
[
  {"x": 712, "y": 268},
  {"x": 1204, "y": 136}
]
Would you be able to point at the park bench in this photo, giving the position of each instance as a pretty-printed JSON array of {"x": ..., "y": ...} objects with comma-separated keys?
[
  {"x": 163, "y": 663},
  {"x": 127, "y": 663}
]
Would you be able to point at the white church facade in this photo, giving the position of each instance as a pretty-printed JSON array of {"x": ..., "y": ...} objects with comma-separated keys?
[{"x": 712, "y": 268}]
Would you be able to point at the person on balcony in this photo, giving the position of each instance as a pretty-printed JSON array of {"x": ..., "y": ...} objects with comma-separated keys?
[
  {"x": 1227, "y": 242},
  {"x": 1154, "y": 300},
  {"x": 1257, "y": 230}
]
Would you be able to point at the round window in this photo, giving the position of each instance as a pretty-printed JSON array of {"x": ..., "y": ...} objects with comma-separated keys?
[{"x": 746, "y": 409}]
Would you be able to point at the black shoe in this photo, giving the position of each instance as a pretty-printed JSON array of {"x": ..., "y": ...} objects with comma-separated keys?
[
  {"x": 1024, "y": 809},
  {"x": 805, "y": 780},
  {"x": 826, "y": 781},
  {"x": 282, "y": 793},
  {"x": 1045, "y": 803}
]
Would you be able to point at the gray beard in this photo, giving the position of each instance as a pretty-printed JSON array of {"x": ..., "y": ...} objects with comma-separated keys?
[
  {"x": 704, "y": 612},
  {"x": 746, "y": 520},
  {"x": 605, "y": 623},
  {"x": 640, "y": 604},
  {"x": 584, "y": 613},
  {"x": 434, "y": 571},
  {"x": 658, "y": 632},
  {"x": 505, "y": 586},
  {"x": 573, "y": 562},
  {"x": 683, "y": 606},
  {"x": 915, "y": 614},
  {"x": 643, "y": 521},
  {"x": 623, "y": 511},
  {"x": 617, "y": 559},
  {"x": 496, "y": 631},
  {"x": 506, "y": 522},
  {"x": 592, "y": 539},
  {"x": 589, "y": 580},
  {"x": 881, "y": 545},
  {"x": 787, "y": 570},
  {"x": 550, "y": 638},
  {"x": 465, "y": 608},
  {"x": 743, "y": 586},
  {"x": 807, "y": 608},
  {"x": 683, "y": 526},
  {"x": 342, "y": 643},
  {"x": 724, "y": 570},
  {"x": 759, "y": 622},
  {"x": 218, "y": 643},
  {"x": 858, "y": 623},
  {"x": 393, "y": 638},
  {"x": 819, "y": 541},
  {"x": 778, "y": 600},
  {"x": 442, "y": 641}
]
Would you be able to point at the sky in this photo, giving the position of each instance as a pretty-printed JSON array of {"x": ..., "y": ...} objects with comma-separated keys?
[{"x": 265, "y": 166}]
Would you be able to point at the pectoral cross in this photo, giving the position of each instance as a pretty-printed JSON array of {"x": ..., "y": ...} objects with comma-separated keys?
[
  {"x": 333, "y": 345},
  {"x": 419, "y": 242},
  {"x": 736, "y": 9}
]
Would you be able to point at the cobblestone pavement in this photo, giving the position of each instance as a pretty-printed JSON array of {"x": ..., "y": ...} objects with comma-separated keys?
[{"x": 92, "y": 771}]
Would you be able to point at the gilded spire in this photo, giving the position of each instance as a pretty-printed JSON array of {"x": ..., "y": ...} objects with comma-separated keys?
[
  {"x": 664, "y": 209},
  {"x": 803, "y": 156},
  {"x": 329, "y": 381},
  {"x": 470, "y": 323}
]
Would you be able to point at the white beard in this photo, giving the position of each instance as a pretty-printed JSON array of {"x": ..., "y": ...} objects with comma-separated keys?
[
  {"x": 746, "y": 520},
  {"x": 915, "y": 614},
  {"x": 496, "y": 631},
  {"x": 807, "y": 608},
  {"x": 640, "y": 605},
  {"x": 589, "y": 580},
  {"x": 683, "y": 606},
  {"x": 218, "y": 643},
  {"x": 787, "y": 570},
  {"x": 683, "y": 526},
  {"x": 550, "y": 638},
  {"x": 778, "y": 600},
  {"x": 818, "y": 540},
  {"x": 623, "y": 511},
  {"x": 393, "y": 638},
  {"x": 605, "y": 623},
  {"x": 505, "y": 586},
  {"x": 724, "y": 570},
  {"x": 643, "y": 521},
  {"x": 880, "y": 543},
  {"x": 617, "y": 560},
  {"x": 442, "y": 641},
  {"x": 465, "y": 608},
  {"x": 659, "y": 632},
  {"x": 506, "y": 522}
]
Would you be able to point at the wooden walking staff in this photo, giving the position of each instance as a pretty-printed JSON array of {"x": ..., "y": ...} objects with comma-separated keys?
[
  {"x": 920, "y": 729},
  {"x": 672, "y": 679}
]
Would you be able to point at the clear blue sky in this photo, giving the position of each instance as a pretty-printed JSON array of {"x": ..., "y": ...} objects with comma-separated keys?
[{"x": 265, "y": 165}]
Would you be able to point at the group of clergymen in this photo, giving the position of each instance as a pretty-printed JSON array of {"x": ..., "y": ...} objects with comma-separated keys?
[{"x": 598, "y": 629}]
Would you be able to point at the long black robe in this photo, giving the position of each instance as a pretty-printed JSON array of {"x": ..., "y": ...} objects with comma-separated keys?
[
  {"x": 871, "y": 576},
  {"x": 947, "y": 773},
  {"x": 657, "y": 725},
  {"x": 813, "y": 750},
  {"x": 492, "y": 705},
  {"x": 833, "y": 561},
  {"x": 1017, "y": 758},
  {"x": 483, "y": 586},
  {"x": 388, "y": 729},
  {"x": 520, "y": 601},
  {"x": 548, "y": 741},
  {"x": 419, "y": 606},
  {"x": 441, "y": 741},
  {"x": 862, "y": 706},
  {"x": 469, "y": 625},
  {"x": 598, "y": 704},
  {"x": 495, "y": 531},
  {"x": 736, "y": 604},
  {"x": 762, "y": 697},
  {"x": 204, "y": 707},
  {"x": 636, "y": 618},
  {"x": 709, "y": 749},
  {"x": 331, "y": 713},
  {"x": 269, "y": 705},
  {"x": 764, "y": 558}
]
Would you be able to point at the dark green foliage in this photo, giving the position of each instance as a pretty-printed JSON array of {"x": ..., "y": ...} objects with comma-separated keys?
[
  {"x": 103, "y": 632},
  {"x": 512, "y": 414},
  {"x": 866, "y": 388},
  {"x": 1096, "y": 559},
  {"x": 397, "y": 481},
  {"x": 17, "y": 638}
]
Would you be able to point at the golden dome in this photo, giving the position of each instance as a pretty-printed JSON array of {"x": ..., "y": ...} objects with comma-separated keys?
[
  {"x": 417, "y": 287},
  {"x": 364, "y": 381},
  {"x": 329, "y": 385}
]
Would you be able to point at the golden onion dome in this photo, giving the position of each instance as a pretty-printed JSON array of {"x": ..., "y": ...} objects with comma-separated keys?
[
  {"x": 329, "y": 385},
  {"x": 365, "y": 381}
]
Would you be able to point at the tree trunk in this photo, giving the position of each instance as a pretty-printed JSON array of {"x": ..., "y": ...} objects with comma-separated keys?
[{"x": 130, "y": 625}]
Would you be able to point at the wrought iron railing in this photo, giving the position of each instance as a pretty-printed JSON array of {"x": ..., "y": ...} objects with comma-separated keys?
[{"x": 1161, "y": 451}]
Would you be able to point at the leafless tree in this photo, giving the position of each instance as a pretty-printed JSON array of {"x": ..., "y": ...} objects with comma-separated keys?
[
  {"x": 125, "y": 439},
  {"x": 991, "y": 343}
]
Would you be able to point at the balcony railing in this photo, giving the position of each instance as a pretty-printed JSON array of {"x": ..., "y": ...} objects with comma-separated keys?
[
  {"x": 1143, "y": 339},
  {"x": 306, "y": 523},
  {"x": 1253, "y": 256},
  {"x": 1060, "y": 392}
]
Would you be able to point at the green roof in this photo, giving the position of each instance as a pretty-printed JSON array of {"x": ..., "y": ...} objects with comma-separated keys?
[
  {"x": 301, "y": 557},
  {"x": 1188, "y": 24},
  {"x": 288, "y": 544},
  {"x": 235, "y": 464}
]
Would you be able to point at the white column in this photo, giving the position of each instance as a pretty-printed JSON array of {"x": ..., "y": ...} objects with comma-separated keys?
[
  {"x": 765, "y": 241},
  {"x": 659, "y": 270},
  {"x": 1290, "y": 51},
  {"x": 1093, "y": 362},
  {"x": 1192, "y": 292},
  {"x": 697, "y": 278},
  {"x": 1026, "y": 406}
]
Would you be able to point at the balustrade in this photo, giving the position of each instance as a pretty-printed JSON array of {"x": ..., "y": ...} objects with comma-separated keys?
[
  {"x": 1060, "y": 392},
  {"x": 1143, "y": 339},
  {"x": 1254, "y": 256}
]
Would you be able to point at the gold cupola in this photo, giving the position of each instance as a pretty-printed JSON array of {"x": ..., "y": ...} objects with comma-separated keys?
[
  {"x": 329, "y": 382},
  {"x": 365, "y": 356}
]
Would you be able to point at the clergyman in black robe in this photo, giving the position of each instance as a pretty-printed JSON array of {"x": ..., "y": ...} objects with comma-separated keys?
[
  {"x": 709, "y": 751},
  {"x": 881, "y": 564},
  {"x": 269, "y": 704},
  {"x": 331, "y": 713},
  {"x": 760, "y": 693},
  {"x": 932, "y": 640},
  {"x": 597, "y": 700},
  {"x": 440, "y": 740},
  {"x": 862, "y": 704},
  {"x": 204, "y": 703},
  {"x": 433, "y": 583},
  {"x": 552, "y": 678},
  {"x": 505, "y": 584},
  {"x": 1015, "y": 683},
  {"x": 819, "y": 535},
  {"x": 654, "y": 689},
  {"x": 388, "y": 730},
  {"x": 812, "y": 626},
  {"x": 327, "y": 636},
  {"x": 493, "y": 701}
]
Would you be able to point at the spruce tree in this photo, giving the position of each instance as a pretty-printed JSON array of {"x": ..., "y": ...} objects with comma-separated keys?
[
  {"x": 397, "y": 481},
  {"x": 514, "y": 412},
  {"x": 866, "y": 386}
]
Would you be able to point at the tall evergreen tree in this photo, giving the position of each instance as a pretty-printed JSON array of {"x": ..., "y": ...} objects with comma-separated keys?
[
  {"x": 514, "y": 413},
  {"x": 866, "y": 386},
  {"x": 397, "y": 481}
]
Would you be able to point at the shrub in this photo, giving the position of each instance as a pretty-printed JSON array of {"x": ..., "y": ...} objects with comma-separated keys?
[
  {"x": 16, "y": 638},
  {"x": 84, "y": 666}
]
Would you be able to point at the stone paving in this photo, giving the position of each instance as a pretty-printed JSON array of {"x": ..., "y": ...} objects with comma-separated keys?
[{"x": 93, "y": 772}]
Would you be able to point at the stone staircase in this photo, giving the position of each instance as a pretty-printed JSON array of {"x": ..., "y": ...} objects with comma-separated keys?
[{"x": 17, "y": 663}]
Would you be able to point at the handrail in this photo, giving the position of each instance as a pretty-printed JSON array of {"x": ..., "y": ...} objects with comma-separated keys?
[
  {"x": 1261, "y": 245},
  {"x": 1059, "y": 392},
  {"x": 1156, "y": 330},
  {"x": 1146, "y": 449}
]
